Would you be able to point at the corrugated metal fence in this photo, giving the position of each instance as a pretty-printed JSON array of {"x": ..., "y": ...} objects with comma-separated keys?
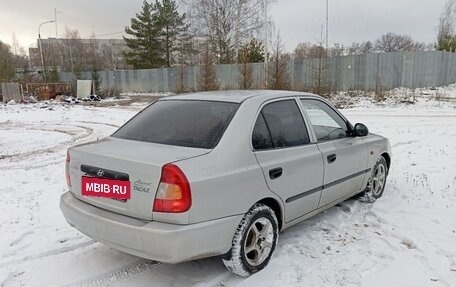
[
  {"x": 11, "y": 91},
  {"x": 363, "y": 72}
]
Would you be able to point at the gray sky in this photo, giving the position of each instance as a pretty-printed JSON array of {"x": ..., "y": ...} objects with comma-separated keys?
[{"x": 297, "y": 20}]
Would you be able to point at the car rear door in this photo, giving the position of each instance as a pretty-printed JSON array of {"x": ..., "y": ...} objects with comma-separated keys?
[
  {"x": 291, "y": 164},
  {"x": 345, "y": 157}
]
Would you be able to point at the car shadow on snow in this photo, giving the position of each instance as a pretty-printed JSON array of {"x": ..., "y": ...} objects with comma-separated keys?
[{"x": 311, "y": 239}]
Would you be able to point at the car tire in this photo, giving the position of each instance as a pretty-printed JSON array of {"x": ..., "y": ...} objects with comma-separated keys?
[
  {"x": 254, "y": 241},
  {"x": 376, "y": 182}
]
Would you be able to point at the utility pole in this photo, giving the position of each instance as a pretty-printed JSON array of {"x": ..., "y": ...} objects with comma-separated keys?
[
  {"x": 266, "y": 32},
  {"x": 327, "y": 25}
]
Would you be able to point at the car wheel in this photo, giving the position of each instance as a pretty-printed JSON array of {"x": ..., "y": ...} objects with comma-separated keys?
[
  {"x": 377, "y": 180},
  {"x": 254, "y": 241}
]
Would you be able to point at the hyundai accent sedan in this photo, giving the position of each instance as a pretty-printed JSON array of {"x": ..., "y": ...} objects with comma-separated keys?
[{"x": 220, "y": 173}]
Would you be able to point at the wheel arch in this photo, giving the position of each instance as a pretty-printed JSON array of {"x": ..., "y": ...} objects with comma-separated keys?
[
  {"x": 387, "y": 158},
  {"x": 275, "y": 206}
]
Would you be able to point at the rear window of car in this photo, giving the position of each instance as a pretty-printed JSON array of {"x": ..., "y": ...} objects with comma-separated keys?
[{"x": 198, "y": 124}]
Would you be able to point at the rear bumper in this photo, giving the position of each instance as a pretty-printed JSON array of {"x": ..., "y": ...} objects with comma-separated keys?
[{"x": 169, "y": 243}]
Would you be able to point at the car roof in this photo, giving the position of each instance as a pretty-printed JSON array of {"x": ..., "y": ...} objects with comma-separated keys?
[{"x": 238, "y": 96}]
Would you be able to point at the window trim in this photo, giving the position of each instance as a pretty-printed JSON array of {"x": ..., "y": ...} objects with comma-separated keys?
[
  {"x": 347, "y": 122},
  {"x": 259, "y": 112}
]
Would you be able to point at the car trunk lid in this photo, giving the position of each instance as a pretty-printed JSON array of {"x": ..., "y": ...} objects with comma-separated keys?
[{"x": 140, "y": 163}]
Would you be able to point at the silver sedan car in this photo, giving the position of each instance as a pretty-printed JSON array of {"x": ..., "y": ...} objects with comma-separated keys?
[{"x": 220, "y": 173}]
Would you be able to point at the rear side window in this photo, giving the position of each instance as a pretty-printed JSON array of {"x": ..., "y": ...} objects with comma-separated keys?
[
  {"x": 198, "y": 124},
  {"x": 261, "y": 139},
  {"x": 285, "y": 124}
]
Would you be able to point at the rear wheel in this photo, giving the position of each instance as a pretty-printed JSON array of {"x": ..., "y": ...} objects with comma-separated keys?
[
  {"x": 376, "y": 182},
  {"x": 254, "y": 241}
]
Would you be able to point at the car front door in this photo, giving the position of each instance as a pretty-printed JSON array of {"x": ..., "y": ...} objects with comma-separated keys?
[
  {"x": 291, "y": 164},
  {"x": 345, "y": 157}
]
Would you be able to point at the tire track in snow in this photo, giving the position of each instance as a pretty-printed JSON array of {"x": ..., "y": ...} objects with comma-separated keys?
[
  {"x": 76, "y": 136},
  {"x": 121, "y": 273},
  {"x": 10, "y": 278},
  {"x": 228, "y": 280},
  {"x": 99, "y": 123},
  {"x": 401, "y": 115},
  {"x": 21, "y": 237},
  {"x": 49, "y": 253}
]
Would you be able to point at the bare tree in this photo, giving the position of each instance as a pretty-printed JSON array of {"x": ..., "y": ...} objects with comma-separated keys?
[
  {"x": 226, "y": 23},
  {"x": 278, "y": 74},
  {"x": 309, "y": 50},
  {"x": 316, "y": 53},
  {"x": 15, "y": 43},
  {"x": 185, "y": 57},
  {"x": 336, "y": 51},
  {"x": 6, "y": 63},
  {"x": 361, "y": 48},
  {"x": 74, "y": 56},
  {"x": 245, "y": 70},
  {"x": 207, "y": 75},
  {"x": 392, "y": 42}
]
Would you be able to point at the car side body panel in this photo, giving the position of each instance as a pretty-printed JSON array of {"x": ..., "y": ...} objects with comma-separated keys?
[
  {"x": 299, "y": 186},
  {"x": 347, "y": 172}
]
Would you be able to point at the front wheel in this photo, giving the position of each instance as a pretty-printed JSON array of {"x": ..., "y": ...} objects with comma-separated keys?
[
  {"x": 376, "y": 182},
  {"x": 254, "y": 241}
]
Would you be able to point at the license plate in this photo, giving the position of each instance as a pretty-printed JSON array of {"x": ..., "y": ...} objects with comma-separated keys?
[{"x": 103, "y": 187}]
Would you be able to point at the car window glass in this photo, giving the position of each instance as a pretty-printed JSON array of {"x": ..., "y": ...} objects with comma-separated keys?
[
  {"x": 327, "y": 124},
  {"x": 198, "y": 124},
  {"x": 261, "y": 139},
  {"x": 285, "y": 123}
]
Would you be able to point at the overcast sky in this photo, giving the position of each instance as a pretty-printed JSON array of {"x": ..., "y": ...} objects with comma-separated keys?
[{"x": 298, "y": 20}]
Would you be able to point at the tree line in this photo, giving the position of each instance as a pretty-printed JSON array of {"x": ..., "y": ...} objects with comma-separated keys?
[
  {"x": 11, "y": 58},
  {"x": 387, "y": 43},
  {"x": 227, "y": 32},
  {"x": 208, "y": 33},
  {"x": 161, "y": 36}
]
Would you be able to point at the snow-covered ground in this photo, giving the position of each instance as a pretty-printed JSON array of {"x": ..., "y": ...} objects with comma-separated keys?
[{"x": 407, "y": 238}]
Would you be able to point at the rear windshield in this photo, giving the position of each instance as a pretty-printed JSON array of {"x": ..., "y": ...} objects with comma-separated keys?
[{"x": 198, "y": 124}]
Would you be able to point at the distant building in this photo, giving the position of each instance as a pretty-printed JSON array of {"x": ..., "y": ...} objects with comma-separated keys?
[{"x": 80, "y": 54}]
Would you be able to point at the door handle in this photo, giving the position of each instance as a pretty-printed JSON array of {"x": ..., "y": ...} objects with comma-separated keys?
[
  {"x": 331, "y": 158},
  {"x": 275, "y": 172}
]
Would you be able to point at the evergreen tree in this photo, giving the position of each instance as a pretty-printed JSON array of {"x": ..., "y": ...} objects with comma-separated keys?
[
  {"x": 145, "y": 41},
  {"x": 172, "y": 27},
  {"x": 53, "y": 75},
  {"x": 252, "y": 52},
  {"x": 446, "y": 42},
  {"x": 156, "y": 33},
  {"x": 446, "y": 37}
]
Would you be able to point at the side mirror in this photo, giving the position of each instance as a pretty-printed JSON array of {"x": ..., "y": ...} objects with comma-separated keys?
[{"x": 360, "y": 130}]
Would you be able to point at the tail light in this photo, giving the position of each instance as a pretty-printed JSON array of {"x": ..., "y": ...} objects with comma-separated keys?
[
  {"x": 67, "y": 169},
  {"x": 173, "y": 194}
]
